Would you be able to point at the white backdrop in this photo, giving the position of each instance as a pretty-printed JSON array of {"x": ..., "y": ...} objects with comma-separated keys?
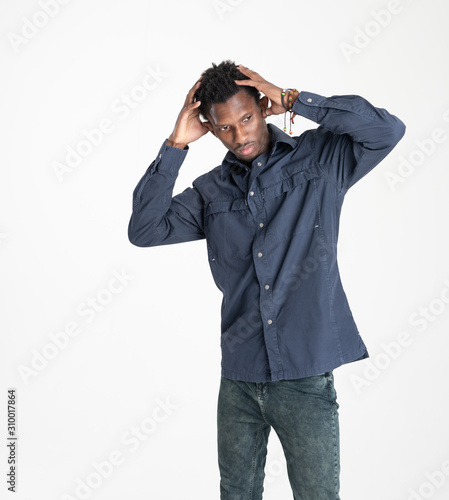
[{"x": 114, "y": 350}]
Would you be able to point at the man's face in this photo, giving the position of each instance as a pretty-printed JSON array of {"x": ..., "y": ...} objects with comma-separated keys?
[{"x": 240, "y": 126}]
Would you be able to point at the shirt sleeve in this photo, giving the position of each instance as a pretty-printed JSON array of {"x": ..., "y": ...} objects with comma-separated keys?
[
  {"x": 353, "y": 136},
  {"x": 157, "y": 217}
]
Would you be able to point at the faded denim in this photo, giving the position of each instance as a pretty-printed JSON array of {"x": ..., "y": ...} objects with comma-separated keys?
[{"x": 304, "y": 415}]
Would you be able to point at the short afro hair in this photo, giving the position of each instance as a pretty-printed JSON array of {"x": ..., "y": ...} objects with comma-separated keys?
[{"x": 217, "y": 86}]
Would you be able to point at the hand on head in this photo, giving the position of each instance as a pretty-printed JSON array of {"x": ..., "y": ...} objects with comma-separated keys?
[{"x": 188, "y": 127}]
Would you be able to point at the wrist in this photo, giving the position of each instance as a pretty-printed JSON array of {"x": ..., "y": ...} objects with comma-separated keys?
[
  {"x": 295, "y": 95},
  {"x": 173, "y": 143},
  {"x": 288, "y": 98}
]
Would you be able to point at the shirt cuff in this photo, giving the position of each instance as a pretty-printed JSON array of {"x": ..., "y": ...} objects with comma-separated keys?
[
  {"x": 169, "y": 159},
  {"x": 308, "y": 104}
]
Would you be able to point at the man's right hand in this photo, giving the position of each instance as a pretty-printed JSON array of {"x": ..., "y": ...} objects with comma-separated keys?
[{"x": 188, "y": 127}]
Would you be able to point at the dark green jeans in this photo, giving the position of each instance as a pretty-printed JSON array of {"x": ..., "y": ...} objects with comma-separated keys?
[{"x": 302, "y": 412}]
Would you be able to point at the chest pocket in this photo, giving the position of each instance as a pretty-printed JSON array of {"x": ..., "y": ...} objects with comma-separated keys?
[
  {"x": 229, "y": 228},
  {"x": 292, "y": 205}
]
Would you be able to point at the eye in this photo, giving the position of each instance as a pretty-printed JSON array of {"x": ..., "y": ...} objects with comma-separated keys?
[
  {"x": 247, "y": 118},
  {"x": 225, "y": 128}
]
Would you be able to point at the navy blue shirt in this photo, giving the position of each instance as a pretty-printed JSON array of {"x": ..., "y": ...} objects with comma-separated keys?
[{"x": 271, "y": 231}]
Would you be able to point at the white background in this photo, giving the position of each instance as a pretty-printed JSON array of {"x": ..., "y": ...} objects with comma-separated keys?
[{"x": 148, "y": 358}]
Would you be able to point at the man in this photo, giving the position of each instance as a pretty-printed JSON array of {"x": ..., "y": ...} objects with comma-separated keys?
[{"x": 270, "y": 216}]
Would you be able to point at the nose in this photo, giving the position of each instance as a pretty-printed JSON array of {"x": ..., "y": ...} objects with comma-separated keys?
[{"x": 240, "y": 134}]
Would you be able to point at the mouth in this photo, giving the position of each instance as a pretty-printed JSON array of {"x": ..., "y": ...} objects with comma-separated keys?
[{"x": 247, "y": 149}]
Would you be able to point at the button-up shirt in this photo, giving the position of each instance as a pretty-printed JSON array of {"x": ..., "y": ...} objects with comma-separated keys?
[{"x": 271, "y": 230}]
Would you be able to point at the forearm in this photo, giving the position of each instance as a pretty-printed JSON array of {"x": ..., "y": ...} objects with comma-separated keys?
[
  {"x": 375, "y": 129},
  {"x": 152, "y": 196},
  {"x": 353, "y": 137}
]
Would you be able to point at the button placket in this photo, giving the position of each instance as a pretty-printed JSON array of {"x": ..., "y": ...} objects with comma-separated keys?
[{"x": 256, "y": 204}]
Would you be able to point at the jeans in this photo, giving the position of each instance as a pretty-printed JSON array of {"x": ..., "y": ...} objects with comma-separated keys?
[{"x": 304, "y": 415}]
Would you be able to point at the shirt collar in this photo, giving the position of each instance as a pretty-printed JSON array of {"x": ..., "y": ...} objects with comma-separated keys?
[{"x": 231, "y": 162}]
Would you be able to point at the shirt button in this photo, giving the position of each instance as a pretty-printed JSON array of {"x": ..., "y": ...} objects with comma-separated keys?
[
  {"x": 269, "y": 321},
  {"x": 261, "y": 224},
  {"x": 267, "y": 287},
  {"x": 259, "y": 254},
  {"x": 251, "y": 193},
  {"x": 309, "y": 100},
  {"x": 259, "y": 164}
]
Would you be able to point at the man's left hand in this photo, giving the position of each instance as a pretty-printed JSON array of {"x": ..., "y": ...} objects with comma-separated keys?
[{"x": 273, "y": 92}]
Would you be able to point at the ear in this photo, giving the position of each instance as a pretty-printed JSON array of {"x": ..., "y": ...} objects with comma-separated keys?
[
  {"x": 209, "y": 127},
  {"x": 263, "y": 103}
]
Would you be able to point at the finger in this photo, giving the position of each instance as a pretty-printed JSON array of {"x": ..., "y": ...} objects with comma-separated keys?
[
  {"x": 248, "y": 83},
  {"x": 244, "y": 69},
  {"x": 191, "y": 93},
  {"x": 194, "y": 88},
  {"x": 197, "y": 83},
  {"x": 191, "y": 107},
  {"x": 248, "y": 72},
  {"x": 194, "y": 105}
]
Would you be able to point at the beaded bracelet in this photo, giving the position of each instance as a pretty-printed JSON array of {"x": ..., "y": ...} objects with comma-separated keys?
[{"x": 289, "y": 109}]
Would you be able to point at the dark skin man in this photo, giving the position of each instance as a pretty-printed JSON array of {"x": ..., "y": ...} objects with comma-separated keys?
[{"x": 239, "y": 123}]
